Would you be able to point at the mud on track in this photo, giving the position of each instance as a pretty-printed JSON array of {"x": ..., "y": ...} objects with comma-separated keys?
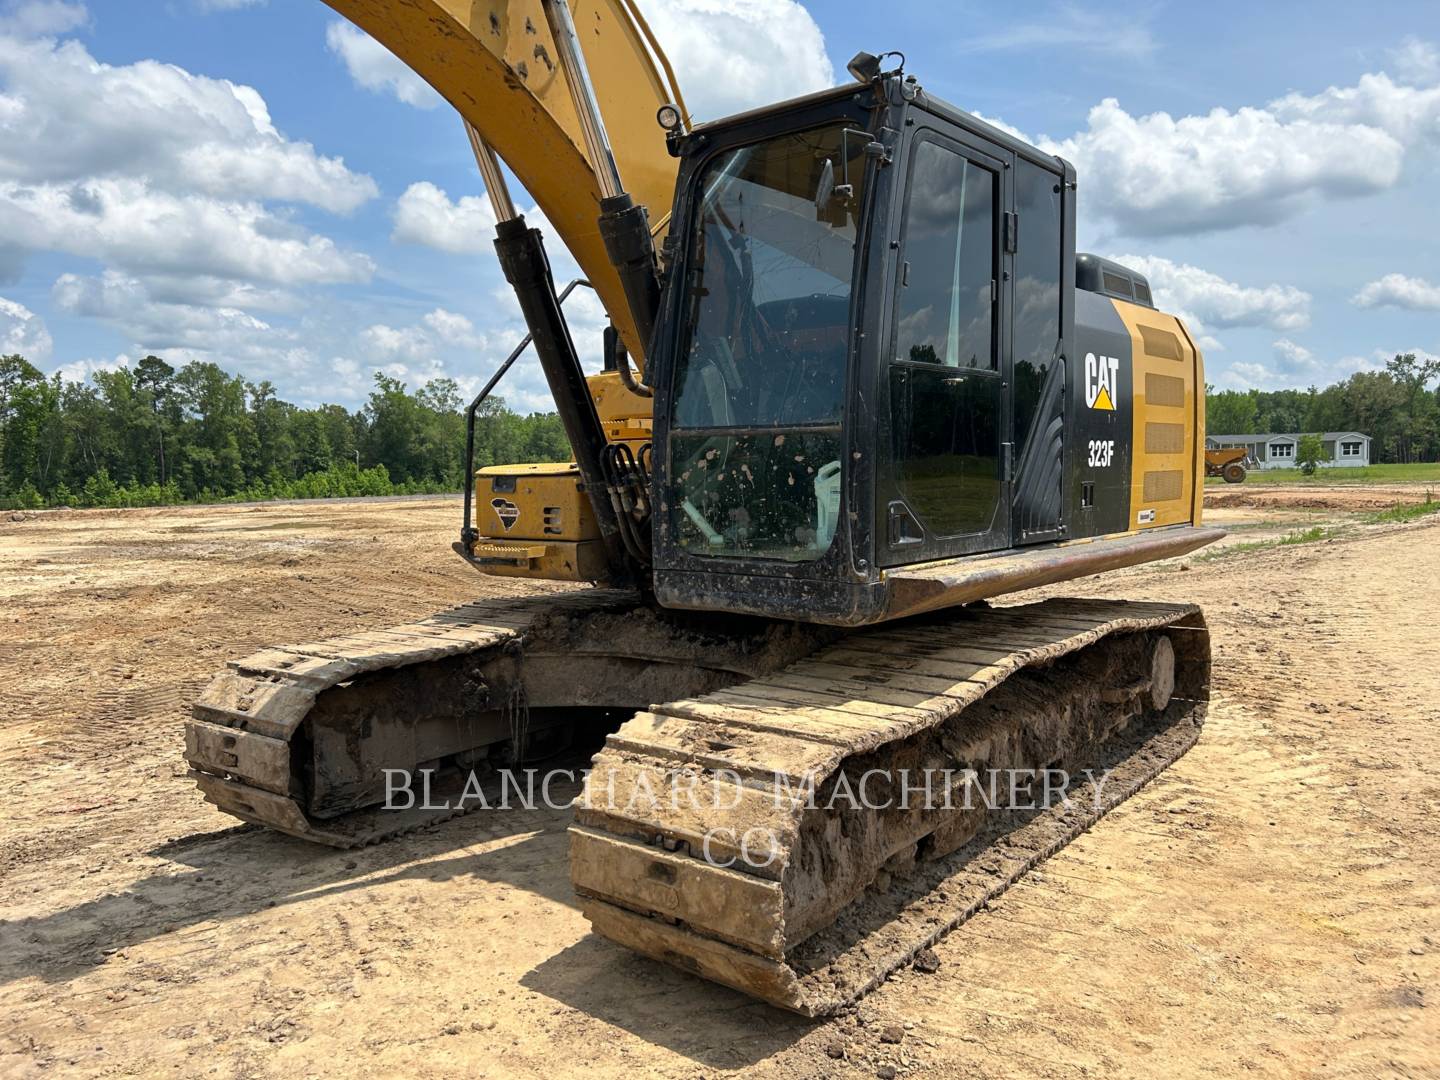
[{"x": 1266, "y": 907}]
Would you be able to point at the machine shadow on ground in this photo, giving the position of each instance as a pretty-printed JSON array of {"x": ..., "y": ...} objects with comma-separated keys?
[
  {"x": 280, "y": 870},
  {"x": 594, "y": 976},
  {"x": 713, "y": 1026}
]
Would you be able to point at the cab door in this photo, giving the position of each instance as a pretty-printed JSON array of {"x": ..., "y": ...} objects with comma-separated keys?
[{"x": 944, "y": 480}]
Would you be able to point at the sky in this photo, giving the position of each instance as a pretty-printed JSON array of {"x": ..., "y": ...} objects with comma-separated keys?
[{"x": 257, "y": 183}]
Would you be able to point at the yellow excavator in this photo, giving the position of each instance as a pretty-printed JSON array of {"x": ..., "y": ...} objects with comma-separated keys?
[{"x": 857, "y": 381}]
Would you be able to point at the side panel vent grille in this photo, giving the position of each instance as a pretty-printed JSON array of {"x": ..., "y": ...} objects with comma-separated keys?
[{"x": 1164, "y": 486}]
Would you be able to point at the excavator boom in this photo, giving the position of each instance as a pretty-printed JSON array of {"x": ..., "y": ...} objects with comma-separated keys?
[{"x": 497, "y": 64}]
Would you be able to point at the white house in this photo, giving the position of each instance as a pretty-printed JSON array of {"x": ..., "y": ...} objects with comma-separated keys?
[{"x": 1340, "y": 448}]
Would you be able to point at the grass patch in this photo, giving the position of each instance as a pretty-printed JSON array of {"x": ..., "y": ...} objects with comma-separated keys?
[
  {"x": 1406, "y": 511},
  {"x": 1367, "y": 474},
  {"x": 1312, "y": 535},
  {"x": 1306, "y": 536}
]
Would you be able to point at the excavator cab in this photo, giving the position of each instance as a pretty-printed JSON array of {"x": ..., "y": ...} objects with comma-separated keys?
[{"x": 859, "y": 361}]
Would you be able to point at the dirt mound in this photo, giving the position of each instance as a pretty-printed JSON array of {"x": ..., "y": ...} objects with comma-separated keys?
[{"x": 1351, "y": 498}]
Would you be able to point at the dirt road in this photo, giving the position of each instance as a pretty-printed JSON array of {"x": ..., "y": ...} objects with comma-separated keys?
[{"x": 1268, "y": 907}]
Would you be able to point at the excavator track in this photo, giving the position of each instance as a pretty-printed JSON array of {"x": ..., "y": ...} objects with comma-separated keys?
[
  {"x": 771, "y": 884},
  {"x": 709, "y": 834},
  {"x": 299, "y": 738},
  {"x": 247, "y": 743}
]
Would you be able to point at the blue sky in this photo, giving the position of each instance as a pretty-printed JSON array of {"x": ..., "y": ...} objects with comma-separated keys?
[{"x": 1271, "y": 166}]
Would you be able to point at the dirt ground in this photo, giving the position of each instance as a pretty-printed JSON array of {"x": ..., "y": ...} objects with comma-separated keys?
[
  {"x": 1267, "y": 907},
  {"x": 1312, "y": 497}
]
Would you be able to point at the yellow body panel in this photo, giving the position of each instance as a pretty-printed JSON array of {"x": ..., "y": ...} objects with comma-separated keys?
[
  {"x": 626, "y": 417},
  {"x": 1167, "y": 464},
  {"x": 544, "y": 503},
  {"x": 536, "y": 521},
  {"x": 554, "y": 561},
  {"x": 494, "y": 60}
]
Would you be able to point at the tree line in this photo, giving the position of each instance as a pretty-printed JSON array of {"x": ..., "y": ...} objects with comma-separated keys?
[
  {"x": 1395, "y": 407},
  {"x": 151, "y": 435}
]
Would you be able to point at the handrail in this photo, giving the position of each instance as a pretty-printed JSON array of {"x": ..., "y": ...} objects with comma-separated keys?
[{"x": 468, "y": 532}]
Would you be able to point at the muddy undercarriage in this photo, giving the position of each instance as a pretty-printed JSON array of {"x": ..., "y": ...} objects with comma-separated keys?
[{"x": 837, "y": 774}]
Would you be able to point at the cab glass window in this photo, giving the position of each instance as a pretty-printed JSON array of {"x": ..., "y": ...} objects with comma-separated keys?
[
  {"x": 755, "y": 444},
  {"x": 946, "y": 311}
]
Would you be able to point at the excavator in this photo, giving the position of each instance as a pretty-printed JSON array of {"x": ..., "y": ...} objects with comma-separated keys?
[{"x": 857, "y": 383}]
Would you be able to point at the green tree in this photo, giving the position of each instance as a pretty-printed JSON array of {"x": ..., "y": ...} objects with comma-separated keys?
[
  {"x": 1281, "y": 410},
  {"x": 1309, "y": 454},
  {"x": 1231, "y": 412},
  {"x": 31, "y": 431},
  {"x": 217, "y": 432},
  {"x": 155, "y": 379},
  {"x": 274, "y": 444},
  {"x": 393, "y": 436},
  {"x": 1372, "y": 404},
  {"x": 1415, "y": 432}
]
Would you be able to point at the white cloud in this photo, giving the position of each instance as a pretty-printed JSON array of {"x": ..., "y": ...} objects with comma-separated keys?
[
  {"x": 207, "y": 290},
  {"x": 406, "y": 355},
  {"x": 157, "y": 326},
  {"x": 161, "y": 173},
  {"x": 1397, "y": 290},
  {"x": 210, "y": 6},
  {"x": 127, "y": 224},
  {"x": 1293, "y": 366},
  {"x": 1293, "y": 356},
  {"x": 178, "y": 186},
  {"x": 425, "y": 215},
  {"x": 435, "y": 331},
  {"x": 1157, "y": 175},
  {"x": 23, "y": 332},
  {"x": 453, "y": 329},
  {"x": 65, "y": 115},
  {"x": 288, "y": 354},
  {"x": 383, "y": 342},
  {"x": 34, "y": 18},
  {"x": 1067, "y": 27},
  {"x": 376, "y": 68},
  {"x": 732, "y": 55},
  {"x": 79, "y": 371},
  {"x": 1417, "y": 62},
  {"x": 1408, "y": 114},
  {"x": 1207, "y": 302}
]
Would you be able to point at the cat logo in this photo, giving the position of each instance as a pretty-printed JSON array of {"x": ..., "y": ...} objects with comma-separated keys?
[
  {"x": 1102, "y": 381},
  {"x": 506, "y": 511}
]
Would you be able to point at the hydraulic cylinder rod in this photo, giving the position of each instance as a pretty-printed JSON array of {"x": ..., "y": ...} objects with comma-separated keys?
[
  {"x": 624, "y": 226},
  {"x": 489, "y": 166},
  {"x": 522, "y": 257}
]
